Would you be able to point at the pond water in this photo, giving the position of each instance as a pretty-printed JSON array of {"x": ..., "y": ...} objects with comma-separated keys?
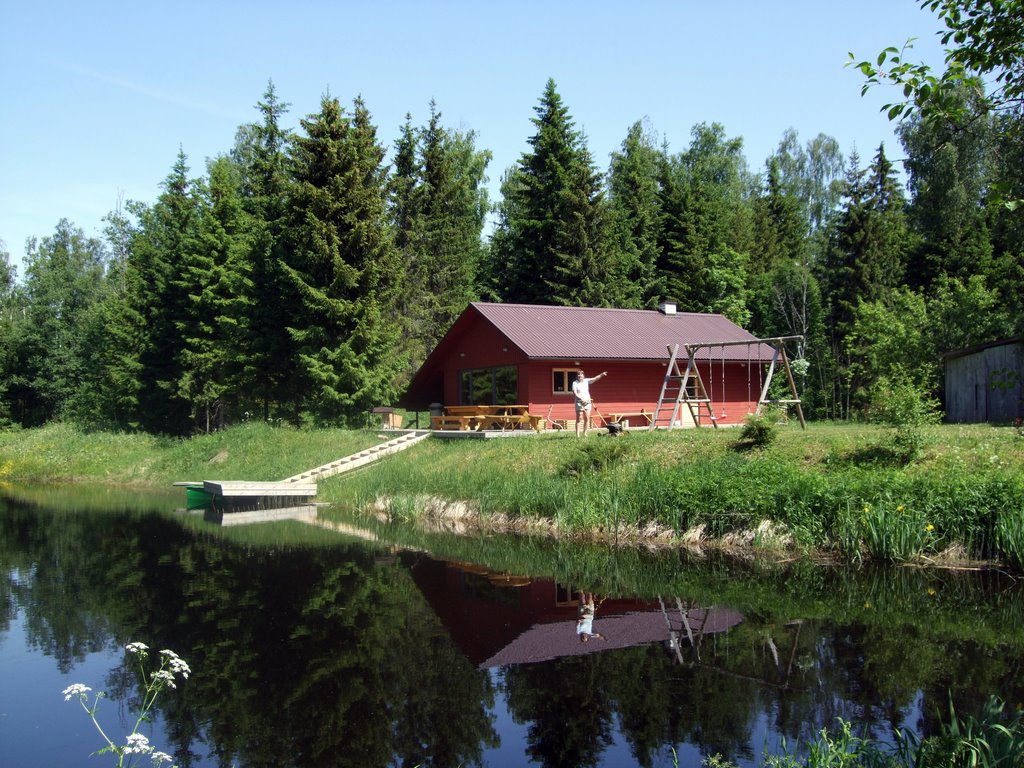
[{"x": 377, "y": 647}]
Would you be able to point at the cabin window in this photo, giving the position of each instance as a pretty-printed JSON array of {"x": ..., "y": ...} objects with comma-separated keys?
[
  {"x": 489, "y": 386},
  {"x": 562, "y": 379},
  {"x": 565, "y": 596}
]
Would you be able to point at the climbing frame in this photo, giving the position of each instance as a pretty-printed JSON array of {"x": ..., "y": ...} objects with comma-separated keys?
[{"x": 676, "y": 389}]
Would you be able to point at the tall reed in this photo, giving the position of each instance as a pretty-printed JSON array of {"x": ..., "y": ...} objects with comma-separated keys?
[{"x": 1010, "y": 537}]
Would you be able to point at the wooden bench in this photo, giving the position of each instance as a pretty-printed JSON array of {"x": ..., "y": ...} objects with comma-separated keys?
[
  {"x": 499, "y": 421},
  {"x": 513, "y": 421},
  {"x": 460, "y": 423}
]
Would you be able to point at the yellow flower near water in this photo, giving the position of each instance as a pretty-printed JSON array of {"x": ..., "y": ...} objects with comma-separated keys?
[
  {"x": 929, "y": 528},
  {"x": 899, "y": 508}
]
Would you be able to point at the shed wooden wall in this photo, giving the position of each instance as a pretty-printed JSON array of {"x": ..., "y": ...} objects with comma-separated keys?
[{"x": 986, "y": 386}]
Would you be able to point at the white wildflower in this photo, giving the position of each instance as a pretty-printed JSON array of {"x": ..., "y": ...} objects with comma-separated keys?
[
  {"x": 164, "y": 677},
  {"x": 77, "y": 689},
  {"x": 137, "y": 648},
  {"x": 177, "y": 664},
  {"x": 160, "y": 757},
  {"x": 137, "y": 744}
]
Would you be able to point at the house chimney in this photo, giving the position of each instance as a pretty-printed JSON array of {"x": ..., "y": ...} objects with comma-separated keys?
[{"x": 667, "y": 308}]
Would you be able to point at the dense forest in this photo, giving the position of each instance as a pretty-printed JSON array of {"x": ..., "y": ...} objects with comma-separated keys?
[{"x": 307, "y": 272}]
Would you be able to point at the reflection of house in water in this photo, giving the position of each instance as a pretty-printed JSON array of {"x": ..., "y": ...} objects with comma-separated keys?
[{"x": 497, "y": 620}]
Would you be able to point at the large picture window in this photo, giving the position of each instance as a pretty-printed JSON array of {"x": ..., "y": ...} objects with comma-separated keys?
[{"x": 489, "y": 386}]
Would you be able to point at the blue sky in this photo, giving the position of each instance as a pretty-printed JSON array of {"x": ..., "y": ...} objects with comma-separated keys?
[{"x": 97, "y": 97}]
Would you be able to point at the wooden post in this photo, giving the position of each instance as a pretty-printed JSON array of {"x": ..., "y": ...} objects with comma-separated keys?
[{"x": 792, "y": 386}]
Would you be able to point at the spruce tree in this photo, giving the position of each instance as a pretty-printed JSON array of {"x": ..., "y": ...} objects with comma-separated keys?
[
  {"x": 111, "y": 397},
  {"x": 948, "y": 179},
  {"x": 159, "y": 306},
  {"x": 344, "y": 267},
  {"x": 214, "y": 279},
  {"x": 785, "y": 295},
  {"x": 553, "y": 240},
  {"x": 865, "y": 262},
  {"x": 438, "y": 206},
  {"x": 453, "y": 207},
  {"x": 7, "y": 315},
  {"x": 679, "y": 272},
  {"x": 849, "y": 243},
  {"x": 266, "y": 354},
  {"x": 891, "y": 239},
  {"x": 779, "y": 225},
  {"x": 107, "y": 396},
  {"x": 405, "y": 191},
  {"x": 706, "y": 220},
  {"x": 633, "y": 194}
]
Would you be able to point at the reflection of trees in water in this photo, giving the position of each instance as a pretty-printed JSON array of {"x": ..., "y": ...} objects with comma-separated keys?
[
  {"x": 312, "y": 656},
  {"x": 567, "y": 705},
  {"x": 68, "y": 572},
  {"x": 804, "y": 674},
  {"x": 345, "y": 657},
  {"x": 571, "y": 705}
]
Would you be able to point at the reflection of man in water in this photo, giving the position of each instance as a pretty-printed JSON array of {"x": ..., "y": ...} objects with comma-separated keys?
[{"x": 585, "y": 620}]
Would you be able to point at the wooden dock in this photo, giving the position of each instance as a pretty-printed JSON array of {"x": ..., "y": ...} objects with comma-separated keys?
[
  {"x": 234, "y": 502},
  {"x": 246, "y": 495}
]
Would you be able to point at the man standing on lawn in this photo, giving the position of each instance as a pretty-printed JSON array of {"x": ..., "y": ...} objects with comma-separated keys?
[{"x": 581, "y": 389}]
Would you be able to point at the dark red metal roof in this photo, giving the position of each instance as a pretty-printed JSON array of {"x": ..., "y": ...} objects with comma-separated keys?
[
  {"x": 592, "y": 333},
  {"x": 558, "y": 639}
]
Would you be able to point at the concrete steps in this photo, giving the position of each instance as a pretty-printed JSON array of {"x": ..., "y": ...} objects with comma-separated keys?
[{"x": 361, "y": 459}]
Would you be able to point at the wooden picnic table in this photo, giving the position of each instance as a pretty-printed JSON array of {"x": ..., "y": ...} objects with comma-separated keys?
[
  {"x": 510, "y": 416},
  {"x": 484, "y": 417}
]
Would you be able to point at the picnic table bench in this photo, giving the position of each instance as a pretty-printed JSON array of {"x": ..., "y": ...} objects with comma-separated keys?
[{"x": 450, "y": 421}]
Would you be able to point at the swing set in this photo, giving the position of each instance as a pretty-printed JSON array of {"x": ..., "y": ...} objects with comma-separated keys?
[{"x": 690, "y": 388}]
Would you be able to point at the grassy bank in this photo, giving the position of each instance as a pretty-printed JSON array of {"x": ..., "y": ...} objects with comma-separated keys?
[
  {"x": 61, "y": 453},
  {"x": 833, "y": 488}
]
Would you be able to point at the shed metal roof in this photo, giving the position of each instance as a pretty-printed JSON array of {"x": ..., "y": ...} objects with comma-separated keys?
[
  {"x": 981, "y": 347},
  {"x": 593, "y": 333}
]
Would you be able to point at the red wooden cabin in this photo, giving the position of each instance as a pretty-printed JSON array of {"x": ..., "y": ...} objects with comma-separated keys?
[{"x": 528, "y": 354}]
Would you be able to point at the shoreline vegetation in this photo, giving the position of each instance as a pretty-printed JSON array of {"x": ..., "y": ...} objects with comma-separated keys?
[{"x": 834, "y": 491}]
